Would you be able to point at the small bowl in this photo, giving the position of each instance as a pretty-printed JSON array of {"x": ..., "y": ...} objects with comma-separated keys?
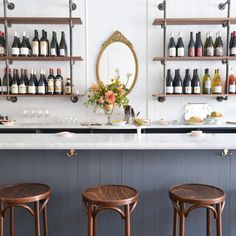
[{"x": 118, "y": 122}]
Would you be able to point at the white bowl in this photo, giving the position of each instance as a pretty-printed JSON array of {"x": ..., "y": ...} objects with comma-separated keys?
[{"x": 118, "y": 122}]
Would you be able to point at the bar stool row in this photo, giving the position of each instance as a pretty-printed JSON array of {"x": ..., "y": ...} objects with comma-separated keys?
[{"x": 119, "y": 198}]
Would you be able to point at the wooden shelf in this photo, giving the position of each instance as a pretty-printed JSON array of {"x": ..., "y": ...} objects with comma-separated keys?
[
  {"x": 193, "y": 95},
  {"x": 193, "y": 21},
  {"x": 76, "y": 58},
  {"x": 41, "y": 20},
  {"x": 41, "y": 95},
  {"x": 193, "y": 58}
]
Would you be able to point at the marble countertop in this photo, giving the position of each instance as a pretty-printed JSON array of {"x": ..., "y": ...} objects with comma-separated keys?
[{"x": 116, "y": 141}]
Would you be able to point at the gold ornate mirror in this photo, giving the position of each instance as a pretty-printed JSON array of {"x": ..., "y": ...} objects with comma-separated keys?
[{"x": 117, "y": 53}]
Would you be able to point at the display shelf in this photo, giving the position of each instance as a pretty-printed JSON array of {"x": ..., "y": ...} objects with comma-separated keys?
[
  {"x": 194, "y": 58},
  {"x": 75, "y": 58}
]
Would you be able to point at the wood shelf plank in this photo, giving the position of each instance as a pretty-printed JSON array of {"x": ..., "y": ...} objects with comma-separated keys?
[
  {"x": 75, "y": 58},
  {"x": 41, "y": 95},
  {"x": 194, "y": 58},
  {"x": 193, "y": 95}
]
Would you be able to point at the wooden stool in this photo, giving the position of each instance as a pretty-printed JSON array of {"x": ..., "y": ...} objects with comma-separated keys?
[
  {"x": 21, "y": 195},
  {"x": 199, "y": 196},
  {"x": 109, "y": 197}
]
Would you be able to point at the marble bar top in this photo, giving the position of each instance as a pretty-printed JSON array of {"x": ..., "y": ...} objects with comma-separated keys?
[{"x": 116, "y": 141}]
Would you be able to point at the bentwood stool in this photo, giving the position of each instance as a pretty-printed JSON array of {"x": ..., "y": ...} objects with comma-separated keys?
[
  {"x": 197, "y": 196},
  {"x": 119, "y": 198},
  {"x": 22, "y": 195}
]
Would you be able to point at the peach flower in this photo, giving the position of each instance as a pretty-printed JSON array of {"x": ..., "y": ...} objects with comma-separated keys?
[
  {"x": 95, "y": 87},
  {"x": 120, "y": 90},
  {"x": 101, "y": 100},
  {"x": 110, "y": 97}
]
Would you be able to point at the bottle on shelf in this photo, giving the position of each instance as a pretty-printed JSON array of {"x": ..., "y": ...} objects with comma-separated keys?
[
  {"x": 233, "y": 45},
  {"x": 14, "y": 83},
  {"x": 31, "y": 84},
  {"x": 187, "y": 86},
  {"x": 196, "y": 84},
  {"x": 68, "y": 86},
  {"x": 172, "y": 46},
  {"x": 177, "y": 84},
  {"x": 210, "y": 46},
  {"x": 169, "y": 83},
  {"x": 206, "y": 43},
  {"x": 63, "y": 46},
  {"x": 232, "y": 82},
  {"x": 51, "y": 81},
  {"x": 35, "y": 44},
  {"x": 15, "y": 49},
  {"x": 199, "y": 46},
  {"x": 2, "y": 44},
  {"x": 6, "y": 83},
  {"x": 217, "y": 83},
  {"x": 219, "y": 46},
  {"x": 44, "y": 44},
  {"x": 191, "y": 47},
  {"x": 180, "y": 46},
  {"x": 54, "y": 45},
  {"x": 59, "y": 82},
  {"x": 41, "y": 84},
  {"x": 28, "y": 45},
  {"x": 35, "y": 79},
  {"x": 24, "y": 50},
  {"x": 206, "y": 82},
  {"x": 26, "y": 78},
  {"x": 22, "y": 84},
  {"x": 45, "y": 81}
]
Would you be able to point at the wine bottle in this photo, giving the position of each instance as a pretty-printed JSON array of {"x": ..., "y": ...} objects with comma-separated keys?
[
  {"x": 206, "y": 83},
  {"x": 232, "y": 82},
  {"x": 51, "y": 79},
  {"x": 41, "y": 84},
  {"x": 68, "y": 86},
  {"x": 32, "y": 85},
  {"x": 58, "y": 82},
  {"x": 2, "y": 45},
  {"x": 45, "y": 81},
  {"x": 15, "y": 49},
  {"x": 172, "y": 46},
  {"x": 177, "y": 84},
  {"x": 14, "y": 83},
  {"x": 231, "y": 39},
  {"x": 199, "y": 46},
  {"x": 191, "y": 47},
  {"x": 63, "y": 46},
  {"x": 180, "y": 46},
  {"x": 196, "y": 85},
  {"x": 35, "y": 44},
  {"x": 206, "y": 44},
  {"x": 26, "y": 78},
  {"x": 219, "y": 47},
  {"x": 187, "y": 87},
  {"x": 35, "y": 80},
  {"x": 169, "y": 83},
  {"x": 22, "y": 85},
  {"x": 217, "y": 83},
  {"x": 210, "y": 46},
  {"x": 233, "y": 45},
  {"x": 54, "y": 45},
  {"x": 6, "y": 83},
  {"x": 44, "y": 44},
  {"x": 24, "y": 51},
  {"x": 28, "y": 45}
]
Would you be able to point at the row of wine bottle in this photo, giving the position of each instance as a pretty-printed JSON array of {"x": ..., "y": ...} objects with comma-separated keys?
[
  {"x": 37, "y": 48},
  {"x": 197, "y": 49},
  {"x": 194, "y": 85},
  {"x": 20, "y": 84}
]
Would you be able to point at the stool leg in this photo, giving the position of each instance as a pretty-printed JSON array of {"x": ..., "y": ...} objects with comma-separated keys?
[
  {"x": 37, "y": 218},
  {"x": 208, "y": 222},
  {"x": 218, "y": 220},
  {"x": 94, "y": 222},
  {"x": 90, "y": 220},
  {"x": 1, "y": 219},
  {"x": 182, "y": 220},
  {"x": 12, "y": 221},
  {"x": 127, "y": 221},
  {"x": 175, "y": 222},
  {"x": 45, "y": 221}
]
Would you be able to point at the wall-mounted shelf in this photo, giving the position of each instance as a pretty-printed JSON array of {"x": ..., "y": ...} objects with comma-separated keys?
[
  {"x": 194, "y": 58},
  {"x": 76, "y": 58}
]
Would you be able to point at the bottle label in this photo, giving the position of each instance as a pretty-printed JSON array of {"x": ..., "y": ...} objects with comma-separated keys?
[
  {"x": 4, "y": 89},
  {"x": 232, "y": 88},
  {"x": 178, "y": 89},
  {"x": 180, "y": 52},
  {"x": 172, "y": 52},
  {"x": 233, "y": 51},
  {"x": 68, "y": 89},
  {"x": 24, "y": 51},
  {"x": 14, "y": 89},
  {"x": 196, "y": 90},
  {"x": 191, "y": 52},
  {"x": 169, "y": 89},
  {"x": 210, "y": 52},
  {"x": 62, "y": 52},
  {"x": 50, "y": 86},
  {"x": 219, "y": 51},
  {"x": 43, "y": 49},
  {"x": 41, "y": 89},
  {"x": 207, "y": 84},
  {"x": 22, "y": 89},
  {"x": 187, "y": 90},
  {"x": 35, "y": 48},
  {"x": 15, "y": 51},
  {"x": 199, "y": 52},
  {"x": 53, "y": 52},
  {"x": 58, "y": 86},
  {"x": 217, "y": 89},
  {"x": 31, "y": 89},
  {"x": 2, "y": 50}
]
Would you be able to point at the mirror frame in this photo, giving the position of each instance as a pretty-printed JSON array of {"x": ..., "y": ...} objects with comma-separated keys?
[{"x": 117, "y": 36}]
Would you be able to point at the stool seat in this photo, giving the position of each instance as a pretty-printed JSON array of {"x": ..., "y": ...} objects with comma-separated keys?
[
  {"x": 24, "y": 193},
  {"x": 197, "y": 194},
  {"x": 115, "y": 195}
]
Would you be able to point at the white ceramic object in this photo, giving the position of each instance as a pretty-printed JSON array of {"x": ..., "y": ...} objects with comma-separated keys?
[
  {"x": 118, "y": 123},
  {"x": 65, "y": 134}
]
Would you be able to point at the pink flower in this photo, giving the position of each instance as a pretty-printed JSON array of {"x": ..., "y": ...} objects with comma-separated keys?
[
  {"x": 110, "y": 97},
  {"x": 101, "y": 100},
  {"x": 95, "y": 87}
]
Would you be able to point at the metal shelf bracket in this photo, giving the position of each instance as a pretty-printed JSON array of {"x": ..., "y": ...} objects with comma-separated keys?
[
  {"x": 162, "y": 6},
  {"x": 222, "y": 6},
  {"x": 221, "y": 98}
]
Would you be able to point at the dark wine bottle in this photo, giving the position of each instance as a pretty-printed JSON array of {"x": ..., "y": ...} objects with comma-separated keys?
[
  {"x": 44, "y": 44},
  {"x": 219, "y": 46},
  {"x": 35, "y": 44},
  {"x": 231, "y": 39},
  {"x": 2, "y": 44},
  {"x": 196, "y": 85},
  {"x": 180, "y": 46},
  {"x": 172, "y": 46},
  {"x": 28, "y": 45},
  {"x": 63, "y": 46},
  {"x": 45, "y": 81},
  {"x": 210, "y": 46},
  {"x": 178, "y": 85},
  {"x": 54, "y": 45},
  {"x": 169, "y": 83},
  {"x": 51, "y": 80},
  {"x": 22, "y": 85},
  {"x": 35, "y": 79},
  {"x": 187, "y": 86},
  {"x": 24, "y": 51},
  {"x": 6, "y": 83},
  {"x": 14, "y": 83},
  {"x": 26, "y": 78},
  {"x": 191, "y": 47},
  {"x": 15, "y": 49},
  {"x": 199, "y": 46},
  {"x": 41, "y": 84},
  {"x": 32, "y": 85},
  {"x": 233, "y": 45},
  {"x": 58, "y": 82},
  {"x": 206, "y": 44}
]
